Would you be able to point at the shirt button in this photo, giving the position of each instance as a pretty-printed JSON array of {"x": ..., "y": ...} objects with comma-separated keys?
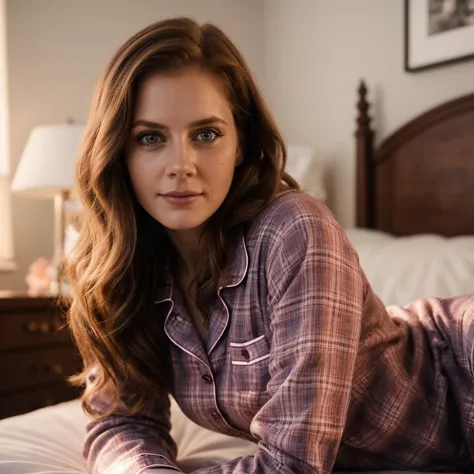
[
  {"x": 207, "y": 378},
  {"x": 245, "y": 354},
  {"x": 172, "y": 317},
  {"x": 215, "y": 414}
]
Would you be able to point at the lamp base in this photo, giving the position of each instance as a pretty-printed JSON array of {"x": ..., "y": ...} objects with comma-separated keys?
[{"x": 59, "y": 228}]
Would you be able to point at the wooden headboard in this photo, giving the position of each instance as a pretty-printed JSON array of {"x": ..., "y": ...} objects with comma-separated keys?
[{"x": 421, "y": 178}]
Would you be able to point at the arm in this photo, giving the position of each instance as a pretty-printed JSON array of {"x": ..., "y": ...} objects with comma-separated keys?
[
  {"x": 121, "y": 444},
  {"x": 316, "y": 293}
]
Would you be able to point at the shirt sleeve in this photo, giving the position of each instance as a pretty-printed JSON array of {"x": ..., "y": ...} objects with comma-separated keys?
[
  {"x": 316, "y": 292},
  {"x": 122, "y": 444}
]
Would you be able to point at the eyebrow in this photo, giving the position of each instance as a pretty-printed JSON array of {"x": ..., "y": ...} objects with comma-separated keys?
[{"x": 197, "y": 123}]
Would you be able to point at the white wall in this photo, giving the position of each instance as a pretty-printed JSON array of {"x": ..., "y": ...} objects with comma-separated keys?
[
  {"x": 308, "y": 56},
  {"x": 315, "y": 53},
  {"x": 57, "y": 49}
]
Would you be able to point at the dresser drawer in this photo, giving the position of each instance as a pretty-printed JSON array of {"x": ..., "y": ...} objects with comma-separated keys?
[
  {"x": 32, "y": 328},
  {"x": 23, "y": 369},
  {"x": 28, "y": 401}
]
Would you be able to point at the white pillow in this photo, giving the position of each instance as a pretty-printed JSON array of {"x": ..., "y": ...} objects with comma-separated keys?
[
  {"x": 402, "y": 269},
  {"x": 302, "y": 165}
]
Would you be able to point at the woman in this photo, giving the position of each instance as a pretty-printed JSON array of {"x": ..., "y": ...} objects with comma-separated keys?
[{"x": 203, "y": 272}]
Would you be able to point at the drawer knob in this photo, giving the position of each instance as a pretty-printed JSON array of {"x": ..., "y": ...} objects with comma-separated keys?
[
  {"x": 47, "y": 369},
  {"x": 43, "y": 327},
  {"x": 31, "y": 327},
  {"x": 57, "y": 368}
]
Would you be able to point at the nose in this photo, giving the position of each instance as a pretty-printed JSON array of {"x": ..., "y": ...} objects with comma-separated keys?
[{"x": 181, "y": 162}]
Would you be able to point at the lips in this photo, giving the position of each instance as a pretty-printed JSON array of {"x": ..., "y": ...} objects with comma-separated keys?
[
  {"x": 181, "y": 198},
  {"x": 184, "y": 193}
]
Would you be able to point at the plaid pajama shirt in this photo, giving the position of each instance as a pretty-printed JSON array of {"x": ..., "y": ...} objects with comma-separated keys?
[{"x": 303, "y": 359}]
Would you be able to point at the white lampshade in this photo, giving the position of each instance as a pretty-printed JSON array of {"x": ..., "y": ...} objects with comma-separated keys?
[{"x": 47, "y": 165}]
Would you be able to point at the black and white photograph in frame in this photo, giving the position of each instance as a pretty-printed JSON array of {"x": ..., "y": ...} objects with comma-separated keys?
[{"x": 438, "y": 32}]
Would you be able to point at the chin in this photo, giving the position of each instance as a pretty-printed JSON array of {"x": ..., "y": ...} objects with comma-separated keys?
[
  {"x": 182, "y": 221},
  {"x": 184, "y": 225}
]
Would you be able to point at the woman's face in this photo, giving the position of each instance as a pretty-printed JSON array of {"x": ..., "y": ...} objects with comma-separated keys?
[{"x": 183, "y": 148}]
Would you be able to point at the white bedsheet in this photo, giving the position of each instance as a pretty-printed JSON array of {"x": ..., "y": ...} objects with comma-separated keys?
[{"x": 49, "y": 441}]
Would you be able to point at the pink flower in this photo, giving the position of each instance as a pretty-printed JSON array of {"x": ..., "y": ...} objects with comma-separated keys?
[{"x": 40, "y": 275}]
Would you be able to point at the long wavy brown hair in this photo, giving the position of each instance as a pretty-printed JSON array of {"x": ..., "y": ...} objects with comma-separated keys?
[{"x": 119, "y": 259}]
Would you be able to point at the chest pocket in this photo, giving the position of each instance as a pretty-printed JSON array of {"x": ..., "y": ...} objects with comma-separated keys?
[{"x": 250, "y": 364}]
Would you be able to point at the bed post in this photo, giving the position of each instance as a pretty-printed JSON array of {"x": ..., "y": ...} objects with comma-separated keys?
[{"x": 364, "y": 155}]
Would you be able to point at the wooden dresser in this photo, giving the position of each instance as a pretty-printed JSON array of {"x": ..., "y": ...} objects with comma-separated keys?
[{"x": 36, "y": 354}]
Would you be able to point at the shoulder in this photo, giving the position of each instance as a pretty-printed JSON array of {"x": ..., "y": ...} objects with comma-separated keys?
[
  {"x": 297, "y": 236},
  {"x": 294, "y": 212},
  {"x": 296, "y": 227}
]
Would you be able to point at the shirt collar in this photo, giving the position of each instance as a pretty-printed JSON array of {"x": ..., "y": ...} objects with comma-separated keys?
[
  {"x": 165, "y": 289},
  {"x": 238, "y": 268}
]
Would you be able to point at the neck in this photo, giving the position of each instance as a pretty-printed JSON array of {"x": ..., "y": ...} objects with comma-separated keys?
[{"x": 186, "y": 243}]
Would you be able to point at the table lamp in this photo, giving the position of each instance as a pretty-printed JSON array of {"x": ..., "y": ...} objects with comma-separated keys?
[{"x": 47, "y": 170}]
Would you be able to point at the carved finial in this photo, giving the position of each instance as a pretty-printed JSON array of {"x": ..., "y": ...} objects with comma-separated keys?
[{"x": 363, "y": 118}]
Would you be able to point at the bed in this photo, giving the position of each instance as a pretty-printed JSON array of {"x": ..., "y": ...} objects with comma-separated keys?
[
  {"x": 415, "y": 203},
  {"x": 414, "y": 236}
]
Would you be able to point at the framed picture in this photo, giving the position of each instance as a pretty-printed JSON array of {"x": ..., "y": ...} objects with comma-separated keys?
[{"x": 438, "y": 32}]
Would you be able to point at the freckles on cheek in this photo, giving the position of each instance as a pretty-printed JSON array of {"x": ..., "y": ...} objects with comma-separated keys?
[
  {"x": 227, "y": 162},
  {"x": 226, "y": 168}
]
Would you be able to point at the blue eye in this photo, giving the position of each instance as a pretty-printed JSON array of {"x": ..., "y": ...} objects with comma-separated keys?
[
  {"x": 148, "y": 139},
  {"x": 208, "y": 136}
]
